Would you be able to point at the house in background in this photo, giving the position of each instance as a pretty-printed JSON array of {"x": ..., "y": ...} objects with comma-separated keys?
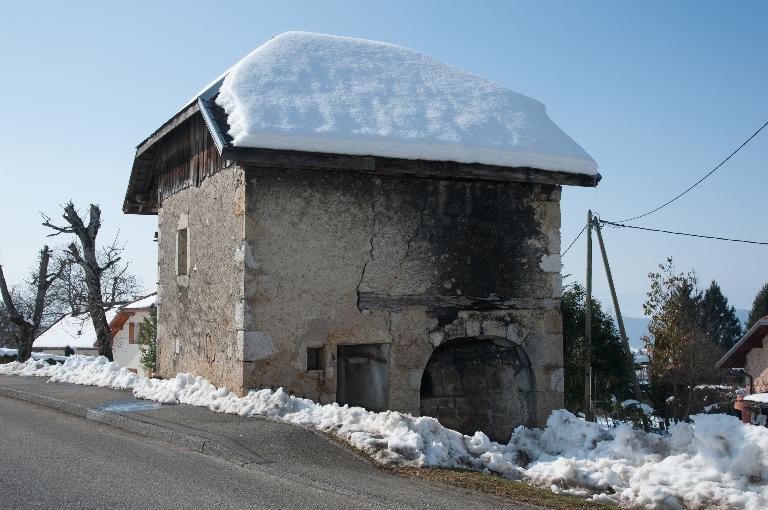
[
  {"x": 751, "y": 354},
  {"x": 75, "y": 331},
  {"x": 126, "y": 326},
  {"x": 360, "y": 223}
]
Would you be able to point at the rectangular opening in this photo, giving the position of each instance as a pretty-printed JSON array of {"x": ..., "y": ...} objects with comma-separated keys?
[
  {"x": 363, "y": 375},
  {"x": 131, "y": 333},
  {"x": 181, "y": 251},
  {"x": 315, "y": 358}
]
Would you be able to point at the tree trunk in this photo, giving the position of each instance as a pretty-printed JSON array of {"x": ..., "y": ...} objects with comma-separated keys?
[
  {"x": 93, "y": 271},
  {"x": 28, "y": 328},
  {"x": 24, "y": 345},
  {"x": 88, "y": 261}
]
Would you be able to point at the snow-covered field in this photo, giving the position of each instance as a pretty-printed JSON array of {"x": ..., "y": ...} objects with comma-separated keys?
[{"x": 716, "y": 462}]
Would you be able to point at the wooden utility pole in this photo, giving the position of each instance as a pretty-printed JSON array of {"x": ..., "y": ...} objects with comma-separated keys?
[
  {"x": 588, "y": 327},
  {"x": 619, "y": 319}
]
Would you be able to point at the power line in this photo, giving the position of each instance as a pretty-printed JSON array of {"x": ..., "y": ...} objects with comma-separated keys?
[
  {"x": 573, "y": 242},
  {"x": 700, "y": 180},
  {"x": 681, "y": 233}
]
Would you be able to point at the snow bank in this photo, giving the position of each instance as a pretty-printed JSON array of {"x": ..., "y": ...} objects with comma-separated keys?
[
  {"x": 42, "y": 356},
  {"x": 714, "y": 463},
  {"x": 92, "y": 371},
  {"x": 632, "y": 403},
  {"x": 31, "y": 367},
  {"x": 324, "y": 93}
]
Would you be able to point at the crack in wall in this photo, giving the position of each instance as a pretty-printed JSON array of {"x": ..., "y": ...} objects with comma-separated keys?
[
  {"x": 416, "y": 231},
  {"x": 370, "y": 251}
]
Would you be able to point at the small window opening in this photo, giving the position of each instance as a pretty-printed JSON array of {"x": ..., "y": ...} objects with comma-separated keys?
[
  {"x": 181, "y": 251},
  {"x": 131, "y": 333},
  {"x": 315, "y": 358}
]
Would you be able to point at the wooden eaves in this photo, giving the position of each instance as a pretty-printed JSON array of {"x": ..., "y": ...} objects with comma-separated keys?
[{"x": 139, "y": 198}]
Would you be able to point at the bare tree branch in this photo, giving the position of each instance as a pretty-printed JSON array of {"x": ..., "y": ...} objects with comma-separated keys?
[
  {"x": 13, "y": 312},
  {"x": 28, "y": 327}
]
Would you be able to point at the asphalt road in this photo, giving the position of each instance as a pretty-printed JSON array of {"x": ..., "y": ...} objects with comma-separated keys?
[{"x": 49, "y": 459}]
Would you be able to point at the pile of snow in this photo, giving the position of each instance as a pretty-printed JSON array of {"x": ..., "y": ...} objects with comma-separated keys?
[
  {"x": 95, "y": 371},
  {"x": 323, "y": 93},
  {"x": 632, "y": 403},
  {"x": 31, "y": 367},
  {"x": 8, "y": 352},
  {"x": 714, "y": 463},
  {"x": 42, "y": 356}
]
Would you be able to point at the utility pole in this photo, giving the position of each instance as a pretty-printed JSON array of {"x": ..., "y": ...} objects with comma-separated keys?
[
  {"x": 619, "y": 319},
  {"x": 588, "y": 327}
]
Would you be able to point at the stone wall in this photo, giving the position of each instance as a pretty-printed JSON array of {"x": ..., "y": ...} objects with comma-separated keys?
[
  {"x": 337, "y": 258},
  {"x": 199, "y": 316},
  {"x": 479, "y": 384},
  {"x": 757, "y": 366}
]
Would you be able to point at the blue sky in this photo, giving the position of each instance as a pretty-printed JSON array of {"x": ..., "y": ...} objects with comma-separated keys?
[{"x": 656, "y": 92}]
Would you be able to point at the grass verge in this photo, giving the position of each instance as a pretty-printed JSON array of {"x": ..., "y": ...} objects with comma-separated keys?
[
  {"x": 500, "y": 487},
  {"x": 467, "y": 479}
]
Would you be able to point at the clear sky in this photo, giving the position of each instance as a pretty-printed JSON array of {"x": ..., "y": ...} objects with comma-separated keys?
[{"x": 656, "y": 92}]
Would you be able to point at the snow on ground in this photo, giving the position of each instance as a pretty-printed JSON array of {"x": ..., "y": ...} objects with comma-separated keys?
[
  {"x": 645, "y": 408},
  {"x": 331, "y": 94},
  {"x": 716, "y": 462},
  {"x": 42, "y": 356}
]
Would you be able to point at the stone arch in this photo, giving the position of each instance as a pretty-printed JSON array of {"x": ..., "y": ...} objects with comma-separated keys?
[{"x": 483, "y": 383}]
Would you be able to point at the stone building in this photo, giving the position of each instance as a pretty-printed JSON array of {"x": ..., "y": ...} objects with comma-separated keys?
[{"x": 360, "y": 223}]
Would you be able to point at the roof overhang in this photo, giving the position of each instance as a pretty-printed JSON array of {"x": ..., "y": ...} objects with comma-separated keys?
[
  {"x": 140, "y": 198},
  {"x": 736, "y": 357}
]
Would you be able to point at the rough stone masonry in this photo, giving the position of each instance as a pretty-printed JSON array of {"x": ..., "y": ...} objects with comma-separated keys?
[{"x": 423, "y": 295}]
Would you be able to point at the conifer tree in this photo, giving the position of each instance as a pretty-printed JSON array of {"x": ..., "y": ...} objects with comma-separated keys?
[
  {"x": 610, "y": 374},
  {"x": 759, "y": 307},
  {"x": 719, "y": 321},
  {"x": 148, "y": 340}
]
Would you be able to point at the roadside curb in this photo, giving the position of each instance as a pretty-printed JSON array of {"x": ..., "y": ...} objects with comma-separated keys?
[{"x": 146, "y": 427}]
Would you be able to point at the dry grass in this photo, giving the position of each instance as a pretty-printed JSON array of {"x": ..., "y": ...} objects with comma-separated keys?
[
  {"x": 500, "y": 487},
  {"x": 476, "y": 481}
]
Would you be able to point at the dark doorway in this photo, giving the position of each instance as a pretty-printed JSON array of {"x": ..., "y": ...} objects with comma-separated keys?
[
  {"x": 363, "y": 378},
  {"x": 479, "y": 384}
]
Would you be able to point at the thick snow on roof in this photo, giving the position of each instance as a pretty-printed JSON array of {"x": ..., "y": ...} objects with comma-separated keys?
[
  {"x": 758, "y": 397},
  {"x": 75, "y": 331},
  {"x": 331, "y": 94},
  {"x": 144, "y": 302}
]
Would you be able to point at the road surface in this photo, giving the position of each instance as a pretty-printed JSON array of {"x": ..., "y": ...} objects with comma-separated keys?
[{"x": 50, "y": 459}]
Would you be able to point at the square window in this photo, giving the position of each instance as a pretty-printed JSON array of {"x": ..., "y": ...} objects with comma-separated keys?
[
  {"x": 182, "y": 240},
  {"x": 315, "y": 358}
]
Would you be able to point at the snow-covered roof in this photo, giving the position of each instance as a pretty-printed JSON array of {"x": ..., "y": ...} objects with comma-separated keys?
[
  {"x": 323, "y": 93},
  {"x": 142, "y": 303},
  {"x": 758, "y": 397},
  {"x": 75, "y": 331}
]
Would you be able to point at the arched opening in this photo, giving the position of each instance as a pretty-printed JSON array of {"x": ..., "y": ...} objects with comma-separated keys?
[{"x": 479, "y": 384}]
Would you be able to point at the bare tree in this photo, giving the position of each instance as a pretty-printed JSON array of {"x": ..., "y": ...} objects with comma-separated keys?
[
  {"x": 29, "y": 326},
  {"x": 69, "y": 294},
  {"x": 93, "y": 269}
]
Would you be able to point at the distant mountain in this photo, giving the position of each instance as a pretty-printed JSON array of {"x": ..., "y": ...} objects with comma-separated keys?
[{"x": 637, "y": 327}]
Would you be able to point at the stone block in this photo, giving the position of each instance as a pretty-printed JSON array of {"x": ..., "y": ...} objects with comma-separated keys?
[{"x": 254, "y": 345}]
